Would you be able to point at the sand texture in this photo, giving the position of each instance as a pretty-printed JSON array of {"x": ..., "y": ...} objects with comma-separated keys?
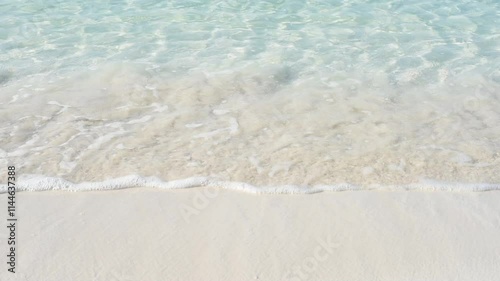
[{"x": 209, "y": 234}]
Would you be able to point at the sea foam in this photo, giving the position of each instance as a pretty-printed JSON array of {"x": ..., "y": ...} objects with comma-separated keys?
[{"x": 44, "y": 183}]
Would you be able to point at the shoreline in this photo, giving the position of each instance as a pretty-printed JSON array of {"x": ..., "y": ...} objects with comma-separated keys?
[{"x": 44, "y": 183}]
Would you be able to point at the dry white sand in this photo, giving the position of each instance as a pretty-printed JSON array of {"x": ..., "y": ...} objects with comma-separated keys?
[{"x": 201, "y": 234}]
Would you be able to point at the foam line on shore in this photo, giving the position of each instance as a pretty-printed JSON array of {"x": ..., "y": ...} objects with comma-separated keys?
[{"x": 45, "y": 183}]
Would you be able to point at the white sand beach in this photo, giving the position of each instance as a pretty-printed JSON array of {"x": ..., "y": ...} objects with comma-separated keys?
[{"x": 207, "y": 234}]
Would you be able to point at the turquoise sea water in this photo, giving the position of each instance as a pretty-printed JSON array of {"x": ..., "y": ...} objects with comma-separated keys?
[
  {"x": 265, "y": 92},
  {"x": 400, "y": 38}
]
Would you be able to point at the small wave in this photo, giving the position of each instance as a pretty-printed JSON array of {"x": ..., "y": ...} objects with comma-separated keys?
[{"x": 44, "y": 183}]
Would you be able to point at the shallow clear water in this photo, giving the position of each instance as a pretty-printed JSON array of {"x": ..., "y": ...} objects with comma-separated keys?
[
  {"x": 410, "y": 41},
  {"x": 264, "y": 92}
]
